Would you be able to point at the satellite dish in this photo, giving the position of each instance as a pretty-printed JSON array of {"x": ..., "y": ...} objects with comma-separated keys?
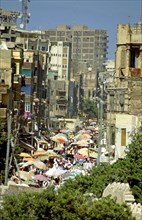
[{"x": 21, "y": 26}]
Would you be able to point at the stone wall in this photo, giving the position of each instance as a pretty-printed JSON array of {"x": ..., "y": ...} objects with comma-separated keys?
[{"x": 122, "y": 193}]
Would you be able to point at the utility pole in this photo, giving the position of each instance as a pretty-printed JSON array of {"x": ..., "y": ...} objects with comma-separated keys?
[
  {"x": 100, "y": 121},
  {"x": 109, "y": 131},
  {"x": 13, "y": 145},
  {"x": 9, "y": 124},
  {"x": 9, "y": 120}
]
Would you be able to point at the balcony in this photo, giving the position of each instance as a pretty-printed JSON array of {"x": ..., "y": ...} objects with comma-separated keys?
[
  {"x": 3, "y": 89},
  {"x": 3, "y": 112},
  {"x": 135, "y": 72},
  {"x": 27, "y": 65},
  {"x": 61, "y": 99}
]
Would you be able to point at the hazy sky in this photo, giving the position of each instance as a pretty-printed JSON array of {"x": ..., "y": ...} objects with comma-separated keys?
[{"x": 96, "y": 14}]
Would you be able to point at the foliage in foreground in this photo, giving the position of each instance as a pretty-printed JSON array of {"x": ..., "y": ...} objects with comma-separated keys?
[
  {"x": 3, "y": 142},
  {"x": 62, "y": 206}
]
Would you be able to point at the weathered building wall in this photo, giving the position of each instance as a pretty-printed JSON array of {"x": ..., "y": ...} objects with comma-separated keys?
[{"x": 125, "y": 92}]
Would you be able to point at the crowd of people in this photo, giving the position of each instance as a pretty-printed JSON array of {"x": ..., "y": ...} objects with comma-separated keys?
[{"x": 63, "y": 156}]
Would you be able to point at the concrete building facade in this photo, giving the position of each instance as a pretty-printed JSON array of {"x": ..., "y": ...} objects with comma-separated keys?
[
  {"x": 87, "y": 45},
  {"x": 10, "y": 64}
]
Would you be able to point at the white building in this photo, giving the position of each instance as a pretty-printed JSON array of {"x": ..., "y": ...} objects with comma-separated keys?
[
  {"x": 60, "y": 59},
  {"x": 125, "y": 126},
  {"x": 110, "y": 66}
]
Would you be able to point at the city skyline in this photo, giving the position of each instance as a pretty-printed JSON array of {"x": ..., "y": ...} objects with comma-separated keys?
[{"x": 103, "y": 14}]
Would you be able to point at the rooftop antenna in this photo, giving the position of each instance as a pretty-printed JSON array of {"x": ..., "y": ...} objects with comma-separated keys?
[
  {"x": 129, "y": 17},
  {"x": 25, "y": 16}
]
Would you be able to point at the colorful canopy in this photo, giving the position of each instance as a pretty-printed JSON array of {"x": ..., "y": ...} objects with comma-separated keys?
[{"x": 23, "y": 154}]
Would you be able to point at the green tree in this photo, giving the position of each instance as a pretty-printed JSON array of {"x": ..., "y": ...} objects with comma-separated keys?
[
  {"x": 90, "y": 108},
  {"x": 62, "y": 205},
  {"x": 29, "y": 206},
  {"x": 3, "y": 142}
]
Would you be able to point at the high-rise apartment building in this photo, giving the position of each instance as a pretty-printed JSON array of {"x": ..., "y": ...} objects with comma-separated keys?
[{"x": 88, "y": 45}]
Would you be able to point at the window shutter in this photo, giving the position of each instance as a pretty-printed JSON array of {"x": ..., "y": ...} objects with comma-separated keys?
[{"x": 123, "y": 137}]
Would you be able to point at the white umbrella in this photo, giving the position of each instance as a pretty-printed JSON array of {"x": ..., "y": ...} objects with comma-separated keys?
[
  {"x": 50, "y": 171},
  {"x": 58, "y": 172},
  {"x": 55, "y": 172}
]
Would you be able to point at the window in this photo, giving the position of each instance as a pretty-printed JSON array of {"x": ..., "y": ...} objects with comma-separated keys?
[
  {"x": 32, "y": 48},
  {"x": 123, "y": 137},
  {"x": 64, "y": 73},
  {"x": 64, "y": 50},
  {"x": 43, "y": 48},
  {"x": 123, "y": 57},
  {"x": 64, "y": 55},
  {"x": 121, "y": 101},
  {"x": 134, "y": 58},
  {"x": 64, "y": 61},
  {"x": 112, "y": 135},
  {"x": 27, "y": 107},
  {"x": 111, "y": 102}
]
